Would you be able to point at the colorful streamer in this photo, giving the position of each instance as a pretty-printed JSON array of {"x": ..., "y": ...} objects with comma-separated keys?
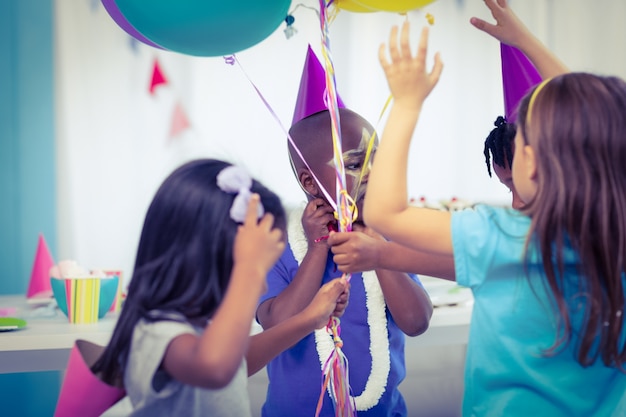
[
  {"x": 344, "y": 216},
  {"x": 370, "y": 146},
  {"x": 232, "y": 60},
  {"x": 335, "y": 370}
]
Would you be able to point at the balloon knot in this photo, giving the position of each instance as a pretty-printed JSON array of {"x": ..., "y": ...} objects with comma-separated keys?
[{"x": 290, "y": 30}]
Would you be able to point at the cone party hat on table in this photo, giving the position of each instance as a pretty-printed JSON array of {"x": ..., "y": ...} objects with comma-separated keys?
[
  {"x": 519, "y": 76},
  {"x": 39, "y": 284}
]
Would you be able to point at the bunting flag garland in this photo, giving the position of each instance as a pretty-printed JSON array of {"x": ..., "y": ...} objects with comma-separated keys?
[
  {"x": 180, "y": 121},
  {"x": 157, "y": 77}
]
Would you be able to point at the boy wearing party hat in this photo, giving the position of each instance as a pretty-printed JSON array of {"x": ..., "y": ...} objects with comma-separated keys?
[
  {"x": 384, "y": 304},
  {"x": 525, "y": 62}
]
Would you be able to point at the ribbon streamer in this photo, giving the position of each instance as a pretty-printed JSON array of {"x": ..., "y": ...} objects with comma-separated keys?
[
  {"x": 232, "y": 60},
  {"x": 335, "y": 370}
]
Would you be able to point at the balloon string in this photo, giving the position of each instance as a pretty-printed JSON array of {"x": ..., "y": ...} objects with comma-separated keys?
[
  {"x": 336, "y": 376},
  {"x": 370, "y": 145},
  {"x": 335, "y": 369},
  {"x": 232, "y": 60},
  {"x": 330, "y": 96}
]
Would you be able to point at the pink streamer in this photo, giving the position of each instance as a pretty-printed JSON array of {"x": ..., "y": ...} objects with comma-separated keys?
[{"x": 231, "y": 60}]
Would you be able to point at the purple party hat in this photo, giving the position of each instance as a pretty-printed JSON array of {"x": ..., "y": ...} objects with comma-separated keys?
[
  {"x": 519, "y": 75},
  {"x": 312, "y": 89}
]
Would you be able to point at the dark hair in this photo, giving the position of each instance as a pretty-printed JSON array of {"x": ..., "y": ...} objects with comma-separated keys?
[
  {"x": 184, "y": 259},
  {"x": 577, "y": 129},
  {"x": 499, "y": 143}
]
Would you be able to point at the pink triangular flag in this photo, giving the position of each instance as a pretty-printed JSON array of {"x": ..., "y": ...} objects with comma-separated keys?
[
  {"x": 180, "y": 121},
  {"x": 82, "y": 393},
  {"x": 157, "y": 77},
  {"x": 39, "y": 284}
]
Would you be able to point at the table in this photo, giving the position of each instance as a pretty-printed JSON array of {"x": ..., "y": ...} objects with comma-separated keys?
[{"x": 45, "y": 343}]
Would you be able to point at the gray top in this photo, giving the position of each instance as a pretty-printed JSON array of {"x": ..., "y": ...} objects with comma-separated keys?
[{"x": 153, "y": 393}]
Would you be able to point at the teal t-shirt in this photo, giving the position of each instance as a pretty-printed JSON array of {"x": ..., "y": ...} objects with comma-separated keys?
[{"x": 513, "y": 323}]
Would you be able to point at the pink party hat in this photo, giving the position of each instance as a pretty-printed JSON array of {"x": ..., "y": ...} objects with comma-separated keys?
[
  {"x": 82, "y": 393},
  {"x": 519, "y": 75},
  {"x": 39, "y": 284},
  {"x": 312, "y": 89}
]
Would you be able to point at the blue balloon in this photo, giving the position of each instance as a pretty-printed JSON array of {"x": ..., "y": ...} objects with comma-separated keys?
[{"x": 205, "y": 27}]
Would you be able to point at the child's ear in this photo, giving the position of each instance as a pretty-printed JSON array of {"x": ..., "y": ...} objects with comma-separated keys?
[
  {"x": 308, "y": 182},
  {"x": 530, "y": 162}
]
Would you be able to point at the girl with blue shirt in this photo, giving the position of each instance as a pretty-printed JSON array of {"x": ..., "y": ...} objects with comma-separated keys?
[{"x": 547, "y": 331}]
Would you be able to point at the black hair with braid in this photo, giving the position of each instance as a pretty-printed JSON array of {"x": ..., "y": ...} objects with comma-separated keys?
[{"x": 499, "y": 144}]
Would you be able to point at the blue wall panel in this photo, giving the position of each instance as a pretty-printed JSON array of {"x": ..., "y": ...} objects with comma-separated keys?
[
  {"x": 27, "y": 152},
  {"x": 27, "y": 174}
]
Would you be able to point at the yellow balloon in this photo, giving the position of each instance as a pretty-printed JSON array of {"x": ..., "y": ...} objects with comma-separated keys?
[
  {"x": 353, "y": 6},
  {"x": 400, "y": 6}
]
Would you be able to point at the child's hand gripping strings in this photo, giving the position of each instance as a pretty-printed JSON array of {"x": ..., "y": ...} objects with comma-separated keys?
[{"x": 331, "y": 300}]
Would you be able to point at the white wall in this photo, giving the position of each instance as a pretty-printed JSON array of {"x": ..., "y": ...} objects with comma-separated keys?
[{"x": 113, "y": 148}]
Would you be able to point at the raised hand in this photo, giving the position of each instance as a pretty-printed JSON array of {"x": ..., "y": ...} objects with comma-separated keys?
[
  {"x": 508, "y": 29},
  {"x": 409, "y": 80}
]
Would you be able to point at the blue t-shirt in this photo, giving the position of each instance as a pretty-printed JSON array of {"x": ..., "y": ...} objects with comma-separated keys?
[
  {"x": 513, "y": 323},
  {"x": 295, "y": 376}
]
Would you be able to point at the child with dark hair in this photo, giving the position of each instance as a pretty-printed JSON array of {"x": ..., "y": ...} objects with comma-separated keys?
[
  {"x": 547, "y": 335},
  {"x": 182, "y": 343},
  {"x": 385, "y": 304},
  {"x": 525, "y": 61},
  {"x": 499, "y": 145},
  {"x": 499, "y": 152}
]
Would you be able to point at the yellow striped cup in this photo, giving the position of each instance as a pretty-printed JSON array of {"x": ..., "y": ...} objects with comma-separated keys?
[{"x": 83, "y": 299}]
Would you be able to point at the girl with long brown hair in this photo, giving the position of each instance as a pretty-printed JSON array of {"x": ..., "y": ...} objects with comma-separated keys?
[{"x": 547, "y": 332}]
